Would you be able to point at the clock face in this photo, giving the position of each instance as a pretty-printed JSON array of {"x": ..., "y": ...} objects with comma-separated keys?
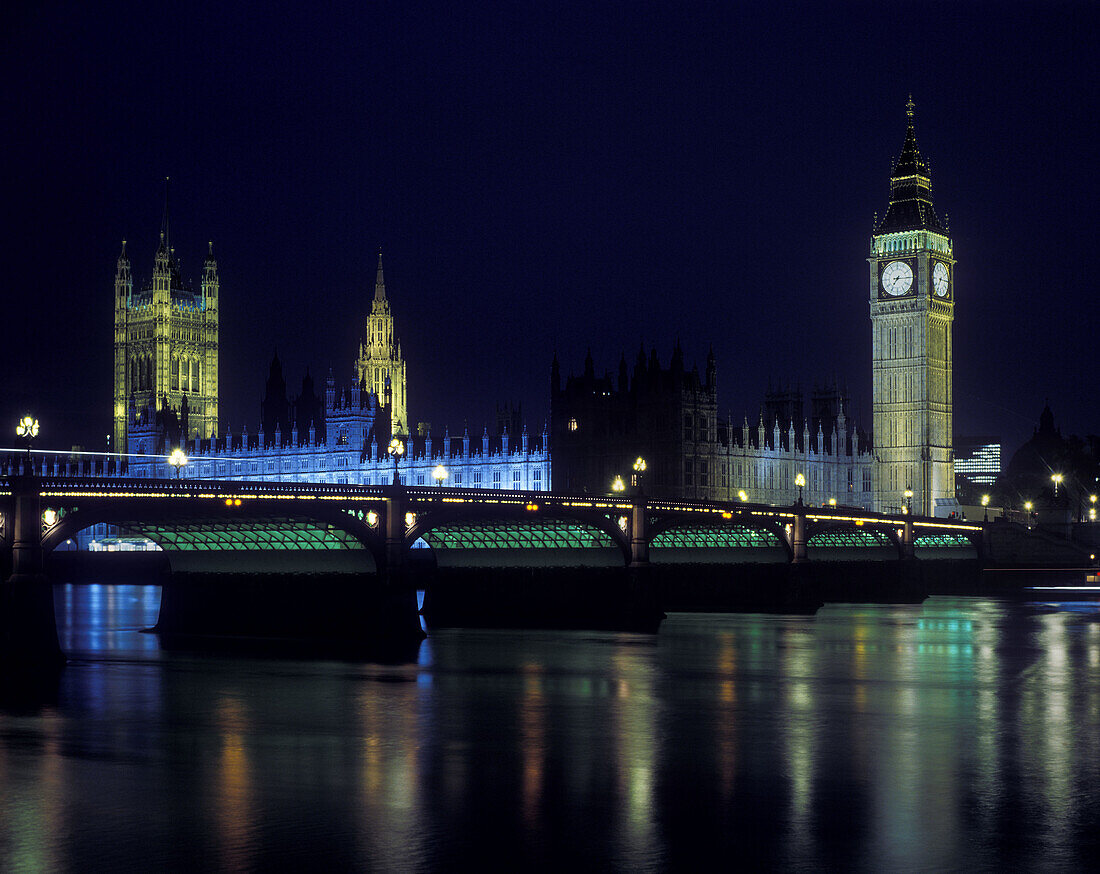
[
  {"x": 897, "y": 278},
  {"x": 941, "y": 279}
]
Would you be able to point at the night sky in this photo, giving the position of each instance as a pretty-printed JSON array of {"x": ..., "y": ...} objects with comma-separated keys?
[{"x": 549, "y": 177}]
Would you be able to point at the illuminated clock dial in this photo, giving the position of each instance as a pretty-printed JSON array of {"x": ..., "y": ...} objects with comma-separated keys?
[
  {"x": 897, "y": 278},
  {"x": 941, "y": 279}
]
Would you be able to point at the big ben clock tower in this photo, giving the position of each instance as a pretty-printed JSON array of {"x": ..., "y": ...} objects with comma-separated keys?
[{"x": 912, "y": 307}]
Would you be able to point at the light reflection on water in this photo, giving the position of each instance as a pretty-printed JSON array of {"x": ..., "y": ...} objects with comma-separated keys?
[{"x": 958, "y": 733}]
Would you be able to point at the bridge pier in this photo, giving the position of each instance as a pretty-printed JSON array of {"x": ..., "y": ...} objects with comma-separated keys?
[
  {"x": 907, "y": 545},
  {"x": 28, "y": 626},
  {"x": 639, "y": 535},
  {"x": 798, "y": 536}
]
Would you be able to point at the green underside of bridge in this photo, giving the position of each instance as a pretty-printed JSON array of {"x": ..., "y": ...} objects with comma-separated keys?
[
  {"x": 850, "y": 544},
  {"x": 531, "y": 543},
  {"x": 716, "y": 544},
  {"x": 204, "y": 535},
  {"x": 714, "y": 537},
  {"x": 255, "y": 545}
]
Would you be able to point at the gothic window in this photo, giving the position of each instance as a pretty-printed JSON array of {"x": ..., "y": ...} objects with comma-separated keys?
[
  {"x": 342, "y": 439},
  {"x": 236, "y": 467},
  {"x": 175, "y": 373},
  {"x": 515, "y": 479},
  {"x": 688, "y": 472},
  {"x": 458, "y": 478},
  {"x": 254, "y": 467},
  {"x": 271, "y": 467},
  {"x": 477, "y": 478},
  {"x": 496, "y": 479},
  {"x": 850, "y": 483},
  {"x": 536, "y": 479},
  {"x": 866, "y": 479}
]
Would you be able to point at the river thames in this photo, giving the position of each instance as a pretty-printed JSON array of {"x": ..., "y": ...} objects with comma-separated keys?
[{"x": 956, "y": 734}]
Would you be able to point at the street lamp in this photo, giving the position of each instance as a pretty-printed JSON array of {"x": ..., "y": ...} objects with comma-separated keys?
[
  {"x": 1092, "y": 509},
  {"x": 799, "y": 481},
  {"x": 617, "y": 485},
  {"x": 396, "y": 449},
  {"x": 26, "y": 429},
  {"x": 439, "y": 474},
  {"x": 908, "y": 500},
  {"x": 1027, "y": 506},
  {"x": 639, "y": 469},
  {"x": 742, "y": 495},
  {"x": 177, "y": 459},
  {"x": 1057, "y": 479},
  {"x": 832, "y": 502}
]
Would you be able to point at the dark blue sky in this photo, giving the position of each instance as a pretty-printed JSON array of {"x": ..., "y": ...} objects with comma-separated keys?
[{"x": 549, "y": 177}]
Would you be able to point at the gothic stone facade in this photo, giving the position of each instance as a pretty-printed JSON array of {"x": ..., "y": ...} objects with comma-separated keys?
[
  {"x": 600, "y": 425},
  {"x": 166, "y": 343}
]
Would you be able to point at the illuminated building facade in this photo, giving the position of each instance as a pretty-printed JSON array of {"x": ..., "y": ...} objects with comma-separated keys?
[
  {"x": 912, "y": 299},
  {"x": 348, "y": 445},
  {"x": 380, "y": 366},
  {"x": 166, "y": 344},
  {"x": 340, "y": 436},
  {"x": 978, "y": 459},
  {"x": 600, "y": 425}
]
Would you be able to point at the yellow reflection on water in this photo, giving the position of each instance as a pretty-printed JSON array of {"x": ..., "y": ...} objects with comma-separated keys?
[
  {"x": 532, "y": 725},
  {"x": 233, "y": 808}
]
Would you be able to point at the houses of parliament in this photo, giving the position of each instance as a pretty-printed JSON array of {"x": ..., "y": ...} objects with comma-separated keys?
[{"x": 166, "y": 392}]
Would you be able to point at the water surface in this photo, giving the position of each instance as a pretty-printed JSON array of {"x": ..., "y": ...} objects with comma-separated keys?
[{"x": 960, "y": 733}]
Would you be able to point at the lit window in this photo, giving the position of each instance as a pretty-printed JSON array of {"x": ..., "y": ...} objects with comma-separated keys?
[{"x": 572, "y": 425}]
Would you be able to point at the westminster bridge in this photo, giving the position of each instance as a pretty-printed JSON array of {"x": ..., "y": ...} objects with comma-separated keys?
[{"x": 372, "y": 538}]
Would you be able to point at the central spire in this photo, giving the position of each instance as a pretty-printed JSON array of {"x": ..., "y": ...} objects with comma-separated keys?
[
  {"x": 379, "y": 281},
  {"x": 164, "y": 242}
]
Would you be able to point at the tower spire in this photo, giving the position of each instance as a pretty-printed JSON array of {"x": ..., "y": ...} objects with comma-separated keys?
[
  {"x": 379, "y": 281},
  {"x": 910, "y": 206},
  {"x": 164, "y": 243}
]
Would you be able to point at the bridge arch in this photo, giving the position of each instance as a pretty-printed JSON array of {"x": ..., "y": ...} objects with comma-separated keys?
[
  {"x": 726, "y": 541},
  {"x": 947, "y": 545},
  {"x": 219, "y": 539},
  {"x": 514, "y": 537},
  {"x": 831, "y": 541}
]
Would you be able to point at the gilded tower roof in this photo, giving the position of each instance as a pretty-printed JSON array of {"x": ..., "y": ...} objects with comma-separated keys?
[{"x": 910, "y": 189}]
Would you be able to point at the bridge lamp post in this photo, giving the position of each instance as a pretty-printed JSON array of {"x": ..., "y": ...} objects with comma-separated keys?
[
  {"x": 1056, "y": 478},
  {"x": 26, "y": 429},
  {"x": 439, "y": 474},
  {"x": 742, "y": 495},
  {"x": 639, "y": 470},
  {"x": 396, "y": 449},
  {"x": 617, "y": 485},
  {"x": 985, "y": 506},
  {"x": 1092, "y": 509},
  {"x": 1027, "y": 506},
  {"x": 177, "y": 459},
  {"x": 799, "y": 481},
  {"x": 908, "y": 501}
]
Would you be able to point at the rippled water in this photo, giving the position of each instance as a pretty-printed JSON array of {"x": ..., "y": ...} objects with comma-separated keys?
[{"x": 960, "y": 733}]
